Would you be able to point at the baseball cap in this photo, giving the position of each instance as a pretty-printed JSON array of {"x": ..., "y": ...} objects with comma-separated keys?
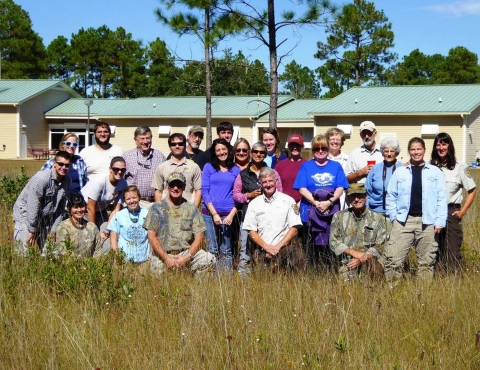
[
  {"x": 356, "y": 188},
  {"x": 367, "y": 125},
  {"x": 175, "y": 176},
  {"x": 295, "y": 138},
  {"x": 196, "y": 129}
]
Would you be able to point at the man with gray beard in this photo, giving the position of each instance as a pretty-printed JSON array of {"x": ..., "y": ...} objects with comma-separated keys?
[{"x": 362, "y": 159}]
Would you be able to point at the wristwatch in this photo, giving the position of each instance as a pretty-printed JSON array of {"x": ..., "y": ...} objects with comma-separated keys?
[{"x": 190, "y": 255}]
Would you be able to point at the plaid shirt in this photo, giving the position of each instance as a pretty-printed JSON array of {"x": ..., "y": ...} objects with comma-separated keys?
[
  {"x": 140, "y": 169},
  {"x": 42, "y": 202},
  {"x": 77, "y": 163}
]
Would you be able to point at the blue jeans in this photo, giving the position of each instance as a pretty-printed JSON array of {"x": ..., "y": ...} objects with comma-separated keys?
[
  {"x": 219, "y": 242},
  {"x": 244, "y": 264}
]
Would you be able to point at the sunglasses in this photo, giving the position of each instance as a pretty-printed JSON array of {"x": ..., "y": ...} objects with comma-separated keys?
[
  {"x": 320, "y": 148},
  {"x": 61, "y": 164},
  {"x": 176, "y": 184},
  {"x": 180, "y": 143},
  {"x": 70, "y": 143},
  {"x": 241, "y": 150},
  {"x": 254, "y": 151},
  {"x": 294, "y": 146},
  {"x": 121, "y": 170}
]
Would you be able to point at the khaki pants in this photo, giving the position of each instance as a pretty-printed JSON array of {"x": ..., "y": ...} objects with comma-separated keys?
[
  {"x": 290, "y": 257},
  {"x": 202, "y": 261},
  {"x": 402, "y": 237}
]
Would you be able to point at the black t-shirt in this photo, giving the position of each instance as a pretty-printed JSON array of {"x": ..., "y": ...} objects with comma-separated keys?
[{"x": 416, "y": 193}]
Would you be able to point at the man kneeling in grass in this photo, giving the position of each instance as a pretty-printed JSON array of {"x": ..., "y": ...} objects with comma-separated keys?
[
  {"x": 176, "y": 230},
  {"x": 272, "y": 221},
  {"x": 357, "y": 235}
]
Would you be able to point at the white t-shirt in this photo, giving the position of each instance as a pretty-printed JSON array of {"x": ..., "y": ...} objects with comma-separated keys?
[
  {"x": 98, "y": 160},
  {"x": 103, "y": 192}
]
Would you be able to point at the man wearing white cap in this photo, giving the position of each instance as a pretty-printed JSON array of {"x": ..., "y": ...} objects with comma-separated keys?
[{"x": 362, "y": 159}]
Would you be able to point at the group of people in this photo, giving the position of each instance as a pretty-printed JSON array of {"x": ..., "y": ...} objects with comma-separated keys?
[{"x": 358, "y": 214}]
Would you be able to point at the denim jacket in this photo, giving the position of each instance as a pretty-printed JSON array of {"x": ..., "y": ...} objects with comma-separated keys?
[{"x": 434, "y": 195}]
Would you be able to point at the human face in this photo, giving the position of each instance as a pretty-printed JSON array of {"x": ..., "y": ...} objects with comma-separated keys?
[
  {"x": 269, "y": 141},
  {"x": 320, "y": 152},
  {"x": 102, "y": 136},
  {"x": 77, "y": 211},
  {"x": 221, "y": 151},
  {"x": 226, "y": 134},
  {"x": 61, "y": 167},
  {"x": 175, "y": 189},
  {"x": 118, "y": 170},
  {"x": 132, "y": 200},
  {"x": 70, "y": 145},
  {"x": 295, "y": 150},
  {"x": 195, "y": 139},
  {"x": 144, "y": 142},
  {"x": 177, "y": 146},
  {"x": 269, "y": 185},
  {"x": 389, "y": 154},
  {"x": 258, "y": 154},
  {"x": 416, "y": 151},
  {"x": 242, "y": 153},
  {"x": 335, "y": 143},
  {"x": 358, "y": 201},
  {"x": 442, "y": 150},
  {"x": 368, "y": 137}
]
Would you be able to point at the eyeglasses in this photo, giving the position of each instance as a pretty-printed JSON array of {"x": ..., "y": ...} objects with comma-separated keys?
[
  {"x": 254, "y": 151},
  {"x": 179, "y": 143},
  {"x": 241, "y": 150},
  {"x": 175, "y": 184},
  {"x": 70, "y": 143},
  {"x": 320, "y": 148},
  {"x": 294, "y": 146},
  {"x": 121, "y": 170},
  {"x": 61, "y": 164}
]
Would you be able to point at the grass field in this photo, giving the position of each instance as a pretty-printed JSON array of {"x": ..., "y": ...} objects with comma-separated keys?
[{"x": 58, "y": 314}]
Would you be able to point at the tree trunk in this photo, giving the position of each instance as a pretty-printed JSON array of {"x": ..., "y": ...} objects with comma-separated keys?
[
  {"x": 208, "y": 79},
  {"x": 272, "y": 45}
]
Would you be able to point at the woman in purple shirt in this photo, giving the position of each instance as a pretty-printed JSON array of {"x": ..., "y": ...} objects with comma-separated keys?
[{"x": 218, "y": 208}]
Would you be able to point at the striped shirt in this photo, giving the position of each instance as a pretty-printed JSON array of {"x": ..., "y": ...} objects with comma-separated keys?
[{"x": 42, "y": 201}]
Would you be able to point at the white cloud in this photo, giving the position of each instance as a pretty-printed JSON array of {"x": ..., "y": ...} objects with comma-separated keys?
[{"x": 457, "y": 8}]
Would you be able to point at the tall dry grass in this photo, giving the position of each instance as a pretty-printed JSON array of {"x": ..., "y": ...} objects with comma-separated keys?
[{"x": 264, "y": 321}]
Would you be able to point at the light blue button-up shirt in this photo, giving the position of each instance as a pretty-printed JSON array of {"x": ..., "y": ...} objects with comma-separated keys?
[{"x": 434, "y": 195}]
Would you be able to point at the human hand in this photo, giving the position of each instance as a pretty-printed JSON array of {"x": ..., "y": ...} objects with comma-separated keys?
[
  {"x": 217, "y": 220},
  {"x": 438, "y": 229},
  {"x": 254, "y": 194},
  {"x": 459, "y": 214},
  {"x": 228, "y": 220},
  {"x": 354, "y": 263},
  {"x": 182, "y": 260},
  {"x": 31, "y": 238},
  {"x": 170, "y": 262},
  {"x": 271, "y": 250}
]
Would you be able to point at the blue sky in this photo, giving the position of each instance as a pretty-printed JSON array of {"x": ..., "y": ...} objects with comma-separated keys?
[{"x": 433, "y": 26}]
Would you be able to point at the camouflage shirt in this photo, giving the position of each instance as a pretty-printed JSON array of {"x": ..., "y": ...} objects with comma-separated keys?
[
  {"x": 84, "y": 242},
  {"x": 176, "y": 226},
  {"x": 366, "y": 233}
]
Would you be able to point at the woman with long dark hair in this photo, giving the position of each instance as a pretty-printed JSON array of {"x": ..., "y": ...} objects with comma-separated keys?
[
  {"x": 457, "y": 179},
  {"x": 218, "y": 208}
]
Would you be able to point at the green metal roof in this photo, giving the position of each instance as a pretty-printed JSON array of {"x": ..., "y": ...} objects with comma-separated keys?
[
  {"x": 297, "y": 110},
  {"x": 19, "y": 91},
  {"x": 192, "y": 106},
  {"x": 427, "y": 99}
]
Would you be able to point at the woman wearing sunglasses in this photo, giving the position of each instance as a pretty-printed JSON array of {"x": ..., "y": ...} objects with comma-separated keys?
[
  {"x": 245, "y": 189},
  {"x": 104, "y": 195},
  {"x": 321, "y": 183},
  {"x": 77, "y": 172},
  {"x": 241, "y": 150}
]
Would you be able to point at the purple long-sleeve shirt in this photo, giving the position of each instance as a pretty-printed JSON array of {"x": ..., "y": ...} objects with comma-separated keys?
[{"x": 217, "y": 188}]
